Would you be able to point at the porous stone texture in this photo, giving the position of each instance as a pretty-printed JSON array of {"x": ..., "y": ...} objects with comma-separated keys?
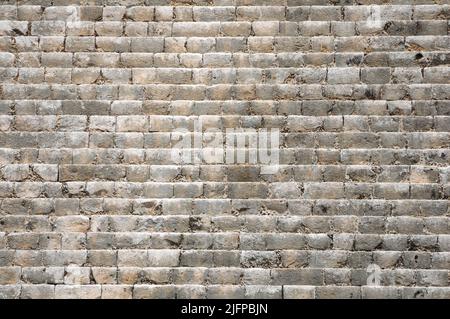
[{"x": 92, "y": 205}]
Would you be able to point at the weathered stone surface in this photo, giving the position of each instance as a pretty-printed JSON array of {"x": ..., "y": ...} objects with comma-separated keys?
[{"x": 110, "y": 112}]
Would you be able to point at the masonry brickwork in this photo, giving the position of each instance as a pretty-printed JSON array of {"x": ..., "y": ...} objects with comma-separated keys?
[{"x": 92, "y": 205}]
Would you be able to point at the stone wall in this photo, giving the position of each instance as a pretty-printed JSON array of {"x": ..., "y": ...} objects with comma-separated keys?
[{"x": 94, "y": 95}]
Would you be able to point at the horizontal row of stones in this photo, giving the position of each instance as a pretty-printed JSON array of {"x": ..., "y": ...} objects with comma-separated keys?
[
  {"x": 213, "y": 60},
  {"x": 223, "y": 13},
  {"x": 234, "y": 190},
  {"x": 343, "y": 75},
  {"x": 224, "y": 209},
  {"x": 221, "y": 92},
  {"x": 291, "y": 152},
  {"x": 26, "y": 291},
  {"x": 222, "y": 220},
  {"x": 33, "y": 247},
  {"x": 302, "y": 156},
  {"x": 131, "y": 3},
  {"x": 74, "y": 275},
  {"x": 261, "y": 44},
  {"x": 336, "y": 258},
  {"x": 185, "y": 125},
  {"x": 95, "y": 109},
  {"x": 226, "y": 29},
  {"x": 45, "y": 250},
  {"x": 256, "y": 244},
  {"x": 251, "y": 173},
  {"x": 288, "y": 156},
  {"x": 183, "y": 223}
]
